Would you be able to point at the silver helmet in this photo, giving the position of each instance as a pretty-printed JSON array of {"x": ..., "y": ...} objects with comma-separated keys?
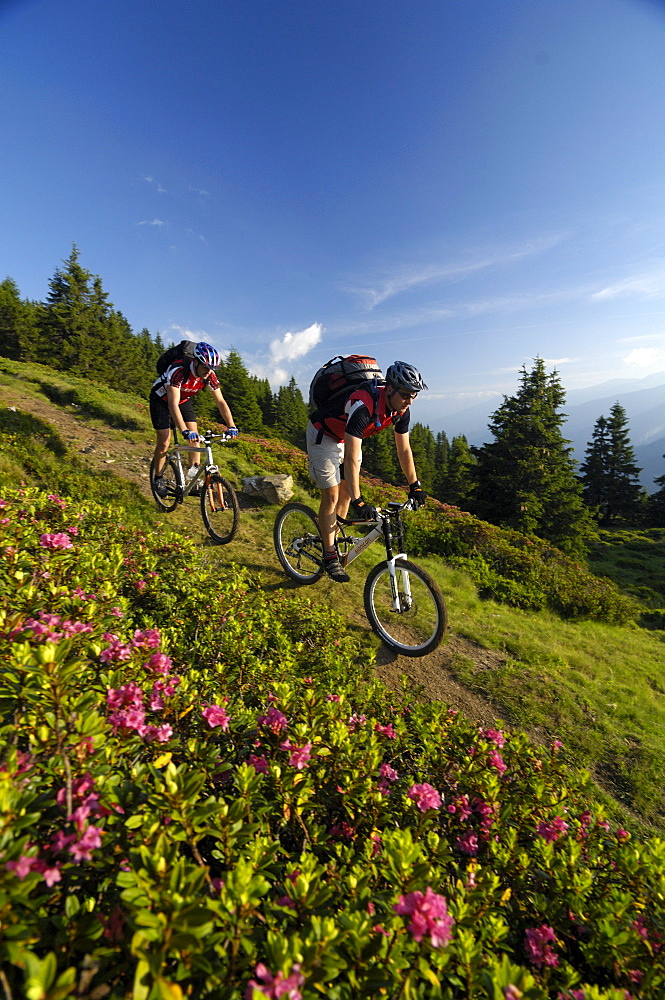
[{"x": 405, "y": 376}]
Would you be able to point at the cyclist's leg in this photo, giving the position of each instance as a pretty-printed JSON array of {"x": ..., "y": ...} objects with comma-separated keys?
[
  {"x": 325, "y": 456},
  {"x": 188, "y": 415},
  {"x": 161, "y": 421}
]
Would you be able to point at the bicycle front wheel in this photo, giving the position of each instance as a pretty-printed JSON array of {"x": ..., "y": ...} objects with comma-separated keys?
[
  {"x": 219, "y": 509},
  {"x": 412, "y": 620},
  {"x": 168, "y": 499},
  {"x": 298, "y": 543}
]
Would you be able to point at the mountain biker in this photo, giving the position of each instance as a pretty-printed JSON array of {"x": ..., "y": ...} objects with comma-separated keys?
[
  {"x": 171, "y": 406},
  {"x": 334, "y": 450}
]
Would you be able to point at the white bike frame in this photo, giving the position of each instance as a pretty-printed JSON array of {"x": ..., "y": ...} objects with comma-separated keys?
[{"x": 362, "y": 543}]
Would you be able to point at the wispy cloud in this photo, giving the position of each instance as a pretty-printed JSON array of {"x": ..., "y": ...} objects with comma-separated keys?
[
  {"x": 411, "y": 277},
  {"x": 649, "y": 284},
  {"x": 151, "y": 222},
  {"x": 156, "y": 185}
]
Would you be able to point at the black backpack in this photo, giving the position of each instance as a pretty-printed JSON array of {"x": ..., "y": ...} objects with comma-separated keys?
[
  {"x": 338, "y": 378},
  {"x": 184, "y": 351}
]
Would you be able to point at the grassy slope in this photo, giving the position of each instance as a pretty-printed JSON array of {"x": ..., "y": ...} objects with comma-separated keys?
[{"x": 598, "y": 688}]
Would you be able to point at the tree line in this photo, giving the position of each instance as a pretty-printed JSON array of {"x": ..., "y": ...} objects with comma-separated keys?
[{"x": 525, "y": 478}]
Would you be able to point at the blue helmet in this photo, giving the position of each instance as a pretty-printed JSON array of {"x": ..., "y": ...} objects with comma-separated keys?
[{"x": 206, "y": 354}]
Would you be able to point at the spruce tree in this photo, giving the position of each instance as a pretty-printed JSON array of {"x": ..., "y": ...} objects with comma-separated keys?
[
  {"x": 440, "y": 464},
  {"x": 609, "y": 473},
  {"x": 379, "y": 457},
  {"x": 17, "y": 323},
  {"x": 291, "y": 413},
  {"x": 458, "y": 482},
  {"x": 423, "y": 447},
  {"x": 239, "y": 393},
  {"x": 656, "y": 507},
  {"x": 526, "y": 476}
]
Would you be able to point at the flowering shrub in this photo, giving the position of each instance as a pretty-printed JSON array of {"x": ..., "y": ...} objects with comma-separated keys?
[{"x": 204, "y": 796}]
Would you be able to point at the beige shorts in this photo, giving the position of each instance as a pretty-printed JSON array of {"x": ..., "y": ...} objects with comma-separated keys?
[{"x": 324, "y": 458}]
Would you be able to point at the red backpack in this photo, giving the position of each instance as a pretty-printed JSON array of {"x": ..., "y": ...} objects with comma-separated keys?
[{"x": 338, "y": 378}]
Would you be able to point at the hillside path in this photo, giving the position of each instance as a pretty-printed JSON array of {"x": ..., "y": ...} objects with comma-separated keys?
[{"x": 432, "y": 676}]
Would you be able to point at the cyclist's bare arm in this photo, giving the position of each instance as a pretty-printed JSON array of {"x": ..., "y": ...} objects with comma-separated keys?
[
  {"x": 173, "y": 400},
  {"x": 352, "y": 456},
  {"x": 223, "y": 407},
  {"x": 405, "y": 457}
]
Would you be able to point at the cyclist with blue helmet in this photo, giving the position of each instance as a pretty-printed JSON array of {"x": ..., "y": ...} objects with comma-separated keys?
[{"x": 171, "y": 406}]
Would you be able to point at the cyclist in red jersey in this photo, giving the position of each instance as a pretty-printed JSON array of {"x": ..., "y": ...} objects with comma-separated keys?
[
  {"x": 171, "y": 406},
  {"x": 334, "y": 449}
]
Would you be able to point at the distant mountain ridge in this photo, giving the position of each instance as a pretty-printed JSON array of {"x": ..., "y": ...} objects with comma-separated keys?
[{"x": 644, "y": 403}]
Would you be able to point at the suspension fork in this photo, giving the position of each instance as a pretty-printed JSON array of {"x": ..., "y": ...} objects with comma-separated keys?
[{"x": 391, "y": 560}]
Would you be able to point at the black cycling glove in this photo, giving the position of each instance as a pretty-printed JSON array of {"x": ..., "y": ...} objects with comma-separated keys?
[
  {"x": 417, "y": 493},
  {"x": 363, "y": 511}
]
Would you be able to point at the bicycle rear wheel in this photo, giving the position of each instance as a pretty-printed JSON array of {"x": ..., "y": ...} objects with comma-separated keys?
[
  {"x": 219, "y": 509},
  {"x": 414, "y": 620},
  {"x": 298, "y": 543},
  {"x": 169, "y": 500}
]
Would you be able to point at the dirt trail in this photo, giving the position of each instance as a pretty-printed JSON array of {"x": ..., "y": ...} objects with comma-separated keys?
[{"x": 430, "y": 675}]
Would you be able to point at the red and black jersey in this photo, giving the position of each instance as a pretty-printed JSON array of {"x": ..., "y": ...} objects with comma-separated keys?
[
  {"x": 364, "y": 414},
  {"x": 182, "y": 376}
]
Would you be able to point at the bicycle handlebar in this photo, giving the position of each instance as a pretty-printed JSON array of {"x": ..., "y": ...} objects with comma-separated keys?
[{"x": 392, "y": 508}]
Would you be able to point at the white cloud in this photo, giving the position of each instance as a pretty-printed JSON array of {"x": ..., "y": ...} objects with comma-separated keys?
[
  {"x": 151, "y": 222},
  {"x": 295, "y": 345},
  {"x": 549, "y": 362},
  {"x": 645, "y": 357}
]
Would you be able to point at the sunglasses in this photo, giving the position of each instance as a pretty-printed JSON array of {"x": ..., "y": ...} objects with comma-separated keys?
[{"x": 408, "y": 397}]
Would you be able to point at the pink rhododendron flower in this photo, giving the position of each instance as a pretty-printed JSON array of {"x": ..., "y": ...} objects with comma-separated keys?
[
  {"x": 387, "y": 730},
  {"x": 274, "y": 720},
  {"x": 259, "y": 763},
  {"x": 429, "y": 916},
  {"x": 332, "y": 697},
  {"x": 300, "y": 756},
  {"x": 116, "y": 652},
  {"x": 356, "y": 721},
  {"x": 468, "y": 844},
  {"x": 495, "y": 735},
  {"x": 22, "y": 867},
  {"x": 91, "y": 839},
  {"x": 159, "y": 663},
  {"x": 149, "y": 638},
  {"x": 425, "y": 796},
  {"x": 215, "y": 716},
  {"x": 553, "y": 830},
  {"x": 276, "y": 986},
  {"x": 388, "y": 772},
  {"x": 117, "y": 612},
  {"x": 537, "y": 941},
  {"x": 55, "y": 540},
  {"x": 496, "y": 761},
  {"x": 51, "y": 876}
]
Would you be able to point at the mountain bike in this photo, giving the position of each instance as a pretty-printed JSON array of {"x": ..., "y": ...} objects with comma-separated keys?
[
  {"x": 403, "y": 604},
  {"x": 219, "y": 503}
]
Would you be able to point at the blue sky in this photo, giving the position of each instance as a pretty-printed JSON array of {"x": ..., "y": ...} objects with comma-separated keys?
[{"x": 464, "y": 184}]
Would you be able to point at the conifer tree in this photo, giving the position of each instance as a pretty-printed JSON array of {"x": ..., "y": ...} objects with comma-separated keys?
[
  {"x": 440, "y": 464},
  {"x": 17, "y": 323},
  {"x": 609, "y": 473},
  {"x": 291, "y": 413},
  {"x": 526, "y": 476},
  {"x": 379, "y": 458},
  {"x": 239, "y": 393},
  {"x": 265, "y": 399},
  {"x": 458, "y": 482},
  {"x": 656, "y": 507},
  {"x": 423, "y": 447}
]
